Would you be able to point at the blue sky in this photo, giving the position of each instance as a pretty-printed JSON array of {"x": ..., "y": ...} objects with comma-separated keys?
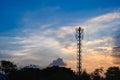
[
  {"x": 34, "y": 30},
  {"x": 13, "y": 10}
]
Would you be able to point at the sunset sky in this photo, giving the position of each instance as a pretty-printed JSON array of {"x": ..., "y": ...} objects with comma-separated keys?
[{"x": 40, "y": 31}]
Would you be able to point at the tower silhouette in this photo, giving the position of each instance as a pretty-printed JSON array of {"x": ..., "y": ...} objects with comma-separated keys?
[{"x": 79, "y": 37}]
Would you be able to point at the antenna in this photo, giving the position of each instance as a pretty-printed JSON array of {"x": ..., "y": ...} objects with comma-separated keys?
[{"x": 79, "y": 37}]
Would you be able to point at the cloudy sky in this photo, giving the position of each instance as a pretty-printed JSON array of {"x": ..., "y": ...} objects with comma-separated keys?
[{"x": 41, "y": 31}]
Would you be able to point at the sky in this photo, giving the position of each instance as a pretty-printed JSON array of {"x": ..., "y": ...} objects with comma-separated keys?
[{"x": 42, "y": 32}]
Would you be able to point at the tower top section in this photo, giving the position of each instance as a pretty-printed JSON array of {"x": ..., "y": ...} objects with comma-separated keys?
[{"x": 79, "y": 33}]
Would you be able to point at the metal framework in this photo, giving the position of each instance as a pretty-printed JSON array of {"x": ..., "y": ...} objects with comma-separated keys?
[{"x": 79, "y": 37}]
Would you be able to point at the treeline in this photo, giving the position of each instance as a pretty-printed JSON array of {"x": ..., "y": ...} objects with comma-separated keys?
[{"x": 33, "y": 72}]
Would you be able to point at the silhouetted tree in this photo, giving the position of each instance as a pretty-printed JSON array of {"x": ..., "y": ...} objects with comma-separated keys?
[
  {"x": 8, "y": 66},
  {"x": 58, "y": 73},
  {"x": 32, "y": 66},
  {"x": 49, "y": 73},
  {"x": 96, "y": 74},
  {"x": 113, "y": 73},
  {"x": 85, "y": 75},
  {"x": 32, "y": 72},
  {"x": 26, "y": 73}
]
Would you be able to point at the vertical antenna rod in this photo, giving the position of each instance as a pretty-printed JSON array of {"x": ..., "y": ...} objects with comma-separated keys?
[{"x": 79, "y": 37}]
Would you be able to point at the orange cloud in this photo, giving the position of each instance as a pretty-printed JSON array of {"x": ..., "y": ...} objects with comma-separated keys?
[
  {"x": 96, "y": 60},
  {"x": 91, "y": 58}
]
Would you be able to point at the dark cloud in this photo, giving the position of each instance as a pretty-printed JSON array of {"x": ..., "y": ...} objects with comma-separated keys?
[
  {"x": 116, "y": 49},
  {"x": 58, "y": 62},
  {"x": 116, "y": 52},
  {"x": 116, "y": 55},
  {"x": 116, "y": 36},
  {"x": 116, "y": 61}
]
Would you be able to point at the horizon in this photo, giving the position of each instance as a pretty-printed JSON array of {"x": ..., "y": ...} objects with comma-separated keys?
[{"x": 40, "y": 32}]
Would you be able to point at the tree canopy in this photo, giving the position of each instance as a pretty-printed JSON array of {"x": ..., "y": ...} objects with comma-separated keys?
[{"x": 33, "y": 72}]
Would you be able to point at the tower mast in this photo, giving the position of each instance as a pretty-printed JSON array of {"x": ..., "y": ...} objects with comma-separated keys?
[{"x": 79, "y": 37}]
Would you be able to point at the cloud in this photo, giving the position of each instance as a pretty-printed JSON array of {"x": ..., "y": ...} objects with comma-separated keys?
[
  {"x": 43, "y": 41},
  {"x": 4, "y": 55},
  {"x": 116, "y": 51},
  {"x": 97, "y": 59},
  {"x": 116, "y": 55},
  {"x": 106, "y": 17},
  {"x": 58, "y": 62},
  {"x": 101, "y": 25},
  {"x": 9, "y": 43},
  {"x": 116, "y": 61},
  {"x": 102, "y": 34}
]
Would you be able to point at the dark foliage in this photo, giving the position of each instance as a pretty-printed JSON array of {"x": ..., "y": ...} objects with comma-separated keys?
[
  {"x": 26, "y": 74},
  {"x": 96, "y": 74},
  {"x": 113, "y": 73},
  {"x": 8, "y": 66},
  {"x": 58, "y": 73},
  {"x": 85, "y": 76},
  {"x": 50, "y": 73},
  {"x": 33, "y": 72}
]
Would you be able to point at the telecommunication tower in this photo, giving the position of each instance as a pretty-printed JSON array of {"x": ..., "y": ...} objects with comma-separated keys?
[{"x": 79, "y": 37}]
